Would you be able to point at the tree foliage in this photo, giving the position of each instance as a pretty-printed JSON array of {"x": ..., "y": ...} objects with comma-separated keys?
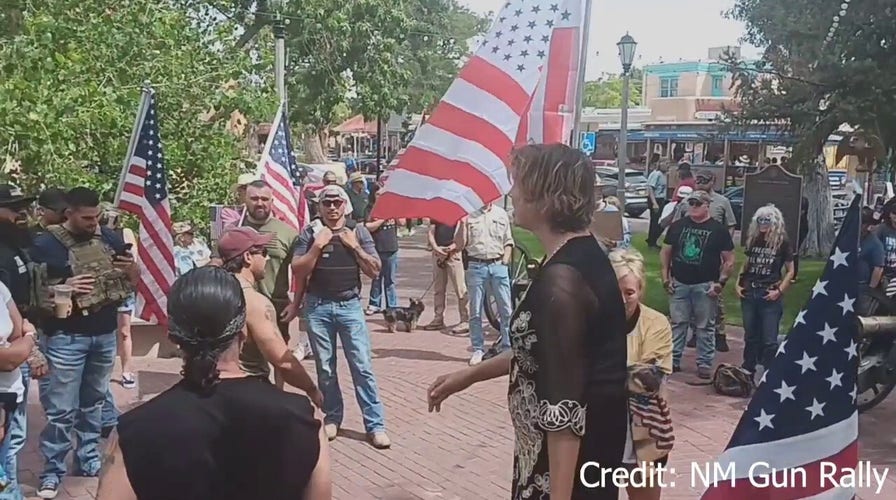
[
  {"x": 812, "y": 87},
  {"x": 606, "y": 92},
  {"x": 70, "y": 81}
]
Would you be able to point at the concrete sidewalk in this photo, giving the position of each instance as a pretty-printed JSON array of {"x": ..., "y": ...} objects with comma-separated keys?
[{"x": 466, "y": 451}]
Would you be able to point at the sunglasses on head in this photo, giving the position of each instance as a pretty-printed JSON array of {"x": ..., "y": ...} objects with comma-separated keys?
[
  {"x": 695, "y": 203},
  {"x": 332, "y": 203}
]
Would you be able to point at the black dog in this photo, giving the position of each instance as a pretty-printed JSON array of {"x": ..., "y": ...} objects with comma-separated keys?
[{"x": 406, "y": 315}]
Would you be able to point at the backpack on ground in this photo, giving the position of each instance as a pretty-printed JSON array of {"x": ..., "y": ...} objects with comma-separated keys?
[{"x": 731, "y": 380}]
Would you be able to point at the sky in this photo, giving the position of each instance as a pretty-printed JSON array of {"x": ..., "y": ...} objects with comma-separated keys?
[{"x": 667, "y": 30}]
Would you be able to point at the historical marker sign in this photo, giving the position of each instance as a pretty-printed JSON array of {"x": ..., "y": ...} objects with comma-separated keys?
[{"x": 773, "y": 185}]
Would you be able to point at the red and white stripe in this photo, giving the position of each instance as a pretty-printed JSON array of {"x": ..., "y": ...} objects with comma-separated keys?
[
  {"x": 285, "y": 203},
  {"x": 551, "y": 115},
  {"x": 836, "y": 444},
  {"x": 155, "y": 245},
  {"x": 456, "y": 162}
]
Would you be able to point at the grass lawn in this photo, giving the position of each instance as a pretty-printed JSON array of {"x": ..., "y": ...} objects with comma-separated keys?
[{"x": 655, "y": 296}]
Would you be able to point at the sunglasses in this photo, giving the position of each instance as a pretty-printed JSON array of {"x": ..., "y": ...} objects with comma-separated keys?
[
  {"x": 764, "y": 220},
  {"x": 332, "y": 203},
  {"x": 703, "y": 180},
  {"x": 259, "y": 251},
  {"x": 695, "y": 203}
]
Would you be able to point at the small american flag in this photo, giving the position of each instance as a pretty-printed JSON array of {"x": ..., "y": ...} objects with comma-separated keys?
[
  {"x": 803, "y": 414},
  {"x": 652, "y": 413},
  {"x": 279, "y": 169},
  {"x": 456, "y": 162},
  {"x": 143, "y": 191}
]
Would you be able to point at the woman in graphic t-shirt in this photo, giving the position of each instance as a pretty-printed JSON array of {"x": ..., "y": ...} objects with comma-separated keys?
[
  {"x": 16, "y": 343},
  {"x": 761, "y": 285}
]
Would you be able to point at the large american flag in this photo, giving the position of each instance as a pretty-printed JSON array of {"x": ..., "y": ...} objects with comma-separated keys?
[
  {"x": 279, "y": 169},
  {"x": 143, "y": 191},
  {"x": 517, "y": 86},
  {"x": 803, "y": 412}
]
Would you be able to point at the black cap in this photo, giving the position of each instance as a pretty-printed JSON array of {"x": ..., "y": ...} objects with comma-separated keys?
[
  {"x": 52, "y": 199},
  {"x": 12, "y": 196},
  {"x": 869, "y": 218}
]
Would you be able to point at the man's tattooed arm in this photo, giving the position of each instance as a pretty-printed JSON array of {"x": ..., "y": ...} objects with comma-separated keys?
[{"x": 114, "y": 482}]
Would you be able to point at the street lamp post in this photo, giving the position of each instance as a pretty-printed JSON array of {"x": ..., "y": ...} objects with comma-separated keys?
[
  {"x": 279, "y": 48},
  {"x": 627, "y": 46}
]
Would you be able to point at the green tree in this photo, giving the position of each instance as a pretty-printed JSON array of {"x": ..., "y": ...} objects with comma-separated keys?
[
  {"x": 606, "y": 91},
  {"x": 71, "y": 77},
  {"x": 812, "y": 85}
]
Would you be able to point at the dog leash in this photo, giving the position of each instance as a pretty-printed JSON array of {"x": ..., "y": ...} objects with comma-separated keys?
[{"x": 431, "y": 283}]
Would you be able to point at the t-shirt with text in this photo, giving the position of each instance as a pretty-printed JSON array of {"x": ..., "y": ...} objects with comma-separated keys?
[
  {"x": 887, "y": 236},
  {"x": 697, "y": 249},
  {"x": 764, "y": 264}
]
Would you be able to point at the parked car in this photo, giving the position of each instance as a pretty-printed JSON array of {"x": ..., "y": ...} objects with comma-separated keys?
[
  {"x": 837, "y": 179},
  {"x": 635, "y": 188},
  {"x": 736, "y": 196}
]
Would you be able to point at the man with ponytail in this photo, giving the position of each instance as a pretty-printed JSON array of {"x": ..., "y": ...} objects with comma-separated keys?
[{"x": 217, "y": 433}]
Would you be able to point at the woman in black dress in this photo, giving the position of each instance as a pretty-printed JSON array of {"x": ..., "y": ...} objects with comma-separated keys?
[
  {"x": 567, "y": 395},
  {"x": 216, "y": 434}
]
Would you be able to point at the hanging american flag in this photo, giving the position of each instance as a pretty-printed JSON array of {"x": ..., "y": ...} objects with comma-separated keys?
[
  {"x": 551, "y": 114},
  {"x": 456, "y": 162},
  {"x": 278, "y": 168},
  {"x": 803, "y": 414},
  {"x": 143, "y": 191}
]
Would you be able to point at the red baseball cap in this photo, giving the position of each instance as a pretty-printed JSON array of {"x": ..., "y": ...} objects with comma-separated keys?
[{"x": 237, "y": 241}]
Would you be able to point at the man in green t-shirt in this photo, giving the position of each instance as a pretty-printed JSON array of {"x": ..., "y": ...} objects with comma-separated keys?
[
  {"x": 357, "y": 196},
  {"x": 276, "y": 283}
]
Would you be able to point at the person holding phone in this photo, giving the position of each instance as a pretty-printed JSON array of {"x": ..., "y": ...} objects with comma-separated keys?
[{"x": 82, "y": 346}]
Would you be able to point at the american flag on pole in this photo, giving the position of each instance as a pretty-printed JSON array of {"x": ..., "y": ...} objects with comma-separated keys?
[
  {"x": 523, "y": 76},
  {"x": 803, "y": 414},
  {"x": 143, "y": 191},
  {"x": 278, "y": 168}
]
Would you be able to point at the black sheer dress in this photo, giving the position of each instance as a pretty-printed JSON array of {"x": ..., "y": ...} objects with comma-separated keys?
[{"x": 569, "y": 369}]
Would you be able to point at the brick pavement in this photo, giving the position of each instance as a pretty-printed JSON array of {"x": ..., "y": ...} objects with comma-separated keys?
[{"x": 465, "y": 452}]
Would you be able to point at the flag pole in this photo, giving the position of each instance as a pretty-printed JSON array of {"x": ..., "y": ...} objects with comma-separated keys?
[
  {"x": 132, "y": 144},
  {"x": 580, "y": 87}
]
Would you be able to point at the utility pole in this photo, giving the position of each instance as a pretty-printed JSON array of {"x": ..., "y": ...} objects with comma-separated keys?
[{"x": 279, "y": 50}]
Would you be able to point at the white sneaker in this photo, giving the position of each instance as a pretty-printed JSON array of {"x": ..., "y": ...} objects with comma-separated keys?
[
  {"x": 128, "y": 381},
  {"x": 476, "y": 358}
]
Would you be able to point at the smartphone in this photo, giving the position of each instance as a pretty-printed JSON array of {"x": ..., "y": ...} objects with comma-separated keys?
[{"x": 127, "y": 249}]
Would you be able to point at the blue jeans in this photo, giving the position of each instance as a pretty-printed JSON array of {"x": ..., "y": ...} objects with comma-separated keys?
[
  {"x": 385, "y": 281},
  {"x": 495, "y": 278},
  {"x": 15, "y": 440},
  {"x": 76, "y": 387},
  {"x": 693, "y": 303},
  {"x": 109, "y": 416},
  {"x": 326, "y": 320},
  {"x": 762, "y": 320}
]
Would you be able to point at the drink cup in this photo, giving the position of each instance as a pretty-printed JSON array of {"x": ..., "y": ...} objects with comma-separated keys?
[{"x": 62, "y": 300}]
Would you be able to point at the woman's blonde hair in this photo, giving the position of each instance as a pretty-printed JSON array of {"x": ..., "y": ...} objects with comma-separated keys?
[
  {"x": 612, "y": 200},
  {"x": 629, "y": 261},
  {"x": 775, "y": 235},
  {"x": 558, "y": 179}
]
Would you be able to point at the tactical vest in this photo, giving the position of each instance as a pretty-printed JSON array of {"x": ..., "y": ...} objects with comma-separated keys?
[
  {"x": 337, "y": 270},
  {"x": 112, "y": 285}
]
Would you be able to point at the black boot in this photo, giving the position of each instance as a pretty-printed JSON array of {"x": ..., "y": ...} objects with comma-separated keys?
[{"x": 721, "y": 343}]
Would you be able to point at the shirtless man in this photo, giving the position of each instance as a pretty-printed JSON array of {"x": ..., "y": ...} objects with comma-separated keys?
[{"x": 244, "y": 253}]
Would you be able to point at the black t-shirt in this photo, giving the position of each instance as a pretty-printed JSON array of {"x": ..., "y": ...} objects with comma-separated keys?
[
  {"x": 15, "y": 275},
  {"x": 386, "y": 238},
  {"x": 697, "y": 249},
  {"x": 764, "y": 264},
  {"x": 444, "y": 234},
  {"x": 247, "y": 439}
]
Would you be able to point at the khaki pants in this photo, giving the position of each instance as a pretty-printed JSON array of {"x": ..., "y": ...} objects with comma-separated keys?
[{"x": 454, "y": 272}]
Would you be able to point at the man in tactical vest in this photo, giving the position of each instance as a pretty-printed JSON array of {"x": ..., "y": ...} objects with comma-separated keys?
[
  {"x": 331, "y": 253},
  {"x": 17, "y": 273},
  {"x": 81, "y": 347}
]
